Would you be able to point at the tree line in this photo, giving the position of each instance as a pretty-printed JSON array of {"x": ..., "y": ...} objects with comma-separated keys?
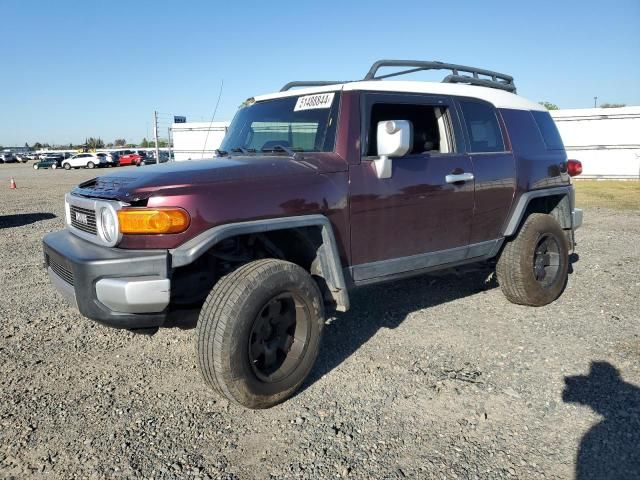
[{"x": 92, "y": 143}]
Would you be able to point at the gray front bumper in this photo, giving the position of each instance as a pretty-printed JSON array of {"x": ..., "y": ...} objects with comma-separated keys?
[{"x": 121, "y": 288}]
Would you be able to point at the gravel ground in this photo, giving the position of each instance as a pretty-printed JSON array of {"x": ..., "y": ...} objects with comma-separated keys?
[{"x": 435, "y": 377}]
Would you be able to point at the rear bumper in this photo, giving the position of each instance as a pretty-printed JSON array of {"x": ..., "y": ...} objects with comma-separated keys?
[
  {"x": 120, "y": 288},
  {"x": 576, "y": 218}
]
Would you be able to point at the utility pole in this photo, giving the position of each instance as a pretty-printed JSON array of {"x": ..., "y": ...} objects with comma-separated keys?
[
  {"x": 595, "y": 102},
  {"x": 169, "y": 141},
  {"x": 155, "y": 134}
]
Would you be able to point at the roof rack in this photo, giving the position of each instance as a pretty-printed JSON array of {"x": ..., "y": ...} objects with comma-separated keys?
[
  {"x": 495, "y": 80},
  {"x": 459, "y": 74},
  {"x": 310, "y": 83}
]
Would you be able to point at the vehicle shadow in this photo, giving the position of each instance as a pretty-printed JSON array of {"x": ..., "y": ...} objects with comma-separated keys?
[
  {"x": 387, "y": 306},
  {"x": 611, "y": 448},
  {"x": 22, "y": 219}
]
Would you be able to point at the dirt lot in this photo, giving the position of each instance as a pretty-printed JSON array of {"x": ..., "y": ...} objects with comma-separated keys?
[{"x": 436, "y": 377}]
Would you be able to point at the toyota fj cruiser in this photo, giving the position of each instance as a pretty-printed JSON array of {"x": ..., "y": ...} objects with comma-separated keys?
[{"x": 314, "y": 191}]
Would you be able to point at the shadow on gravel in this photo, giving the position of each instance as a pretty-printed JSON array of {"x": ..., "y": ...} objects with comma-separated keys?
[
  {"x": 19, "y": 220},
  {"x": 387, "y": 306},
  {"x": 611, "y": 448}
]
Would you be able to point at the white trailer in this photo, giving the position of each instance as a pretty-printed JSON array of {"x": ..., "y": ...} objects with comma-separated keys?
[
  {"x": 197, "y": 140},
  {"x": 605, "y": 140}
]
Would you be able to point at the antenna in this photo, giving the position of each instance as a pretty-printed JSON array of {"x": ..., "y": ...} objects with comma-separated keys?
[{"x": 204, "y": 147}]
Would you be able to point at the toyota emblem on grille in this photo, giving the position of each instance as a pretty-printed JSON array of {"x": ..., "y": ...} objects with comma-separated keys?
[{"x": 82, "y": 218}]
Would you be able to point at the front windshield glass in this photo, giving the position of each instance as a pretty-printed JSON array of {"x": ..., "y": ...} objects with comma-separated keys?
[{"x": 305, "y": 123}]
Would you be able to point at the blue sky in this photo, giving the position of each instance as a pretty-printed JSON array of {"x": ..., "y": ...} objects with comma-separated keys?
[{"x": 74, "y": 69}]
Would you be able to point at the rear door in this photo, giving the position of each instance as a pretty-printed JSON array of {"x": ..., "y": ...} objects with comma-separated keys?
[
  {"x": 420, "y": 216},
  {"x": 493, "y": 167}
]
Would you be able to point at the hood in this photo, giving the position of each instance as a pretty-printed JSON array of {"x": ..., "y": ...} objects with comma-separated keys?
[{"x": 135, "y": 184}]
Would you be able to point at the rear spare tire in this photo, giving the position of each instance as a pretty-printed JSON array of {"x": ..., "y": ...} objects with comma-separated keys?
[
  {"x": 259, "y": 332},
  {"x": 533, "y": 267}
]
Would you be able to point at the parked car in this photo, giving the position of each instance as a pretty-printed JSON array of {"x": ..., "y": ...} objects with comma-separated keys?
[
  {"x": 22, "y": 158},
  {"x": 318, "y": 192},
  {"x": 133, "y": 157},
  {"x": 8, "y": 157},
  {"x": 83, "y": 160},
  {"x": 151, "y": 159},
  {"x": 52, "y": 161},
  {"x": 32, "y": 156},
  {"x": 111, "y": 159}
]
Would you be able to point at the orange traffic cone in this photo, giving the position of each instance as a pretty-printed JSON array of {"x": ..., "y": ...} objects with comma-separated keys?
[{"x": 12, "y": 184}]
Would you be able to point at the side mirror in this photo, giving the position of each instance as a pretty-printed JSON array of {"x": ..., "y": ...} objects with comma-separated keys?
[{"x": 394, "y": 140}]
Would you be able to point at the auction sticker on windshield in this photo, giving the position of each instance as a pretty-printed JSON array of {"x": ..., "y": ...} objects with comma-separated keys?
[{"x": 310, "y": 102}]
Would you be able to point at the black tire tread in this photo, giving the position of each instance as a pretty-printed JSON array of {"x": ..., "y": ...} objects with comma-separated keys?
[
  {"x": 221, "y": 307},
  {"x": 514, "y": 280}
]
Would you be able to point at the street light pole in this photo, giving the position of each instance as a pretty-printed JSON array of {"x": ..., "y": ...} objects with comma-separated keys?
[{"x": 595, "y": 102}]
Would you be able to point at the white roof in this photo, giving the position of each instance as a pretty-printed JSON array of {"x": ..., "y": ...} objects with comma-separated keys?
[
  {"x": 595, "y": 113},
  {"x": 499, "y": 98}
]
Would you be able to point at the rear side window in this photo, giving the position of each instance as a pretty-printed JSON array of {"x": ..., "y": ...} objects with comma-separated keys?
[
  {"x": 549, "y": 131},
  {"x": 482, "y": 127}
]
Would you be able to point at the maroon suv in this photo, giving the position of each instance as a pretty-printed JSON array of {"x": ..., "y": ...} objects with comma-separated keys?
[{"x": 313, "y": 192}]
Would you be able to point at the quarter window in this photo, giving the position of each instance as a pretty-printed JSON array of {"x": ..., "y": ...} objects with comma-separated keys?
[
  {"x": 482, "y": 127},
  {"x": 549, "y": 131}
]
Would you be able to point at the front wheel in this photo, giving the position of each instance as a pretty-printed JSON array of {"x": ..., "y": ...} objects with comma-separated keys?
[
  {"x": 91, "y": 165},
  {"x": 35, "y": 166},
  {"x": 67, "y": 166},
  {"x": 259, "y": 332},
  {"x": 54, "y": 166},
  {"x": 533, "y": 267}
]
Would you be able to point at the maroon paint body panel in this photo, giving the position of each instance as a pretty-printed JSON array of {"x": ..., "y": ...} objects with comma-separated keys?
[{"x": 412, "y": 212}]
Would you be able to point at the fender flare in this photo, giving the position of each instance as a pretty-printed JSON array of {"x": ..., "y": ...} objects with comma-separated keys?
[
  {"x": 330, "y": 263},
  {"x": 566, "y": 218}
]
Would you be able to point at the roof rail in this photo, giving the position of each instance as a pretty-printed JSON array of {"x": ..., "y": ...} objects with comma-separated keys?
[
  {"x": 494, "y": 80},
  {"x": 310, "y": 83}
]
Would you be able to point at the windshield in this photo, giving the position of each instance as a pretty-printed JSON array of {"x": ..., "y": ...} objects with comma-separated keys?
[{"x": 301, "y": 123}]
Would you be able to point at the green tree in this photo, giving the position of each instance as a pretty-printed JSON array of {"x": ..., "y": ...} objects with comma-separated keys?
[
  {"x": 549, "y": 105},
  {"x": 119, "y": 142},
  {"x": 144, "y": 143},
  {"x": 612, "y": 105}
]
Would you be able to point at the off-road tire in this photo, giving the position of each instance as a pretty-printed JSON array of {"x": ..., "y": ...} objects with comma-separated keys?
[
  {"x": 227, "y": 326},
  {"x": 516, "y": 271}
]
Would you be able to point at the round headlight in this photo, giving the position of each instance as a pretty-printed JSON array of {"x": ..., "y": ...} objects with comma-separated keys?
[{"x": 108, "y": 225}]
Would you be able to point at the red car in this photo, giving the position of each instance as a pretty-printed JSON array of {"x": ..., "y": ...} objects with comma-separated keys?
[{"x": 132, "y": 157}]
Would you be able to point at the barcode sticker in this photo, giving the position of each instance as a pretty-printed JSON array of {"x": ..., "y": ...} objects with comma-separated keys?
[{"x": 310, "y": 102}]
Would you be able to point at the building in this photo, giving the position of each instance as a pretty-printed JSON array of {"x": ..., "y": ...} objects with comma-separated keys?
[
  {"x": 605, "y": 140},
  {"x": 197, "y": 140}
]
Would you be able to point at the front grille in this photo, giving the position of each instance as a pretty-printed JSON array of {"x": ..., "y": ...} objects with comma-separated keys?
[
  {"x": 62, "y": 271},
  {"x": 78, "y": 215}
]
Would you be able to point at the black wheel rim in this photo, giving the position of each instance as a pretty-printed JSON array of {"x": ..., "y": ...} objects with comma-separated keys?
[
  {"x": 279, "y": 337},
  {"x": 546, "y": 260}
]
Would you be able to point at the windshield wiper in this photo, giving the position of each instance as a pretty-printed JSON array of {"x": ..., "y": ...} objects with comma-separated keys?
[
  {"x": 246, "y": 151},
  {"x": 292, "y": 152},
  {"x": 221, "y": 153}
]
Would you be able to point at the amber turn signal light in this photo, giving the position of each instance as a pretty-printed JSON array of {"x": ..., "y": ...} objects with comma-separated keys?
[{"x": 147, "y": 221}]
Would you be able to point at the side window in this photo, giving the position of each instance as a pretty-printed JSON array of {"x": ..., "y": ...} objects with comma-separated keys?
[
  {"x": 482, "y": 127},
  {"x": 430, "y": 126},
  {"x": 548, "y": 130}
]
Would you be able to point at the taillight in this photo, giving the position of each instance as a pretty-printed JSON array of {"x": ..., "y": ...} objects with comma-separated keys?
[{"x": 574, "y": 167}]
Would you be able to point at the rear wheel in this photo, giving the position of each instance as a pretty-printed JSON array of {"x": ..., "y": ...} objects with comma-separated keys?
[
  {"x": 54, "y": 166},
  {"x": 259, "y": 332},
  {"x": 533, "y": 267}
]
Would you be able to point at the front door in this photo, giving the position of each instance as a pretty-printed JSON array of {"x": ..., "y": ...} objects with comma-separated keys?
[{"x": 422, "y": 215}]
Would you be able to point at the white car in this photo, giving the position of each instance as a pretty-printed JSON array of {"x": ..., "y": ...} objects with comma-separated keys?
[
  {"x": 84, "y": 160},
  {"x": 111, "y": 159}
]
